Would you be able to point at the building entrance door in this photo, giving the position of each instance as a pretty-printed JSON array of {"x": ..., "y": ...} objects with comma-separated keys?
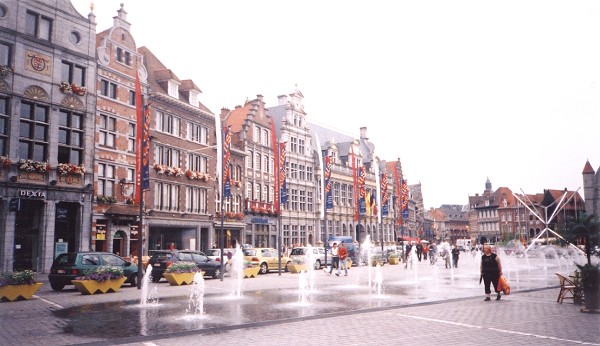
[{"x": 27, "y": 226}]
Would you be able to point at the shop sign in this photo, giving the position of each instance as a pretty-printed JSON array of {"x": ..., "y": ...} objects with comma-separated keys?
[
  {"x": 32, "y": 193},
  {"x": 100, "y": 232},
  {"x": 261, "y": 220}
]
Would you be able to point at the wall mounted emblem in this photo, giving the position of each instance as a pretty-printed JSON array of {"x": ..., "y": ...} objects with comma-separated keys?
[{"x": 38, "y": 63}]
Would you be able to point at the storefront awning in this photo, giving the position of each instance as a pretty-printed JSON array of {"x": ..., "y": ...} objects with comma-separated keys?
[{"x": 123, "y": 210}]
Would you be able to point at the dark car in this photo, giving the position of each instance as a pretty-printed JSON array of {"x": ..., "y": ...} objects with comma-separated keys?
[
  {"x": 68, "y": 266},
  {"x": 161, "y": 260}
]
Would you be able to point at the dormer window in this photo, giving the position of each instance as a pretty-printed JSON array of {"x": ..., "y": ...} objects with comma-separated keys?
[
  {"x": 194, "y": 98},
  {"x": 173, "y": 89}
]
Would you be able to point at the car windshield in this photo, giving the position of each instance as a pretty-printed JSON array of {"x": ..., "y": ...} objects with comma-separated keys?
[
  {"x": 162, "y": 256},
  {"x": 249, "y": 252},
  {"x": 213, "y": 252},
  {"x": 297, "y": 251}
]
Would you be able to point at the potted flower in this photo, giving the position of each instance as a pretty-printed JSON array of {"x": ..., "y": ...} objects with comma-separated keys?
[
  {"x": 297, "y": 265},
  {"x": 33, "y": 166},
  {"x": 588, "y": 230},
  {"x": 5, "y": 162},
  {"x": 181, "y": 273},
  {"x": 18, "y": 285},
  {"x": 251, "y": 269},
  {"x": 65, "y": 169},
  {"x": 393, "y": 259},
  {"x": 102, "y": 279},
  {"x": 5, "y": 71}
]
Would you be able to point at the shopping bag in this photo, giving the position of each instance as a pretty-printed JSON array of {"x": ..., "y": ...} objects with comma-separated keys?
[{"x": 503, "y": 285}]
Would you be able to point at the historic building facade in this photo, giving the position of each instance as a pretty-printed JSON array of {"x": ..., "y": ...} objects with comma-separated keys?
[{"x": 47, "y": 107}]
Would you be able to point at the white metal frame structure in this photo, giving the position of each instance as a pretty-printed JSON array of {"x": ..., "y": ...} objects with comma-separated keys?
[{"x": 546, "y": 220}]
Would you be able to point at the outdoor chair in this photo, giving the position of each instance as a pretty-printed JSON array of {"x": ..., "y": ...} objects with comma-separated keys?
[{"x": 568, "y": 289}]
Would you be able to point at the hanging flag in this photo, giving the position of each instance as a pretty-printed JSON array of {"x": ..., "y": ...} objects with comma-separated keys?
[
  {"x": 404, "y": 198},
  {"x": 377, "y": 192},
  {"x": 328, "y": 191},
  {"x": 226, "y": 162},
  {"x": 398, "y": 186},
  {"x": 282, "y": 173},
  {"x": 275, "y": 146},
  {"x": 139, "y": 116},
  {"x": 362, "y": 203},
  {"x": 322, "y": 180},
  {"x": 384, "y": 195},
  {"x": 146, "y": 149},
  {"x": 355, "y": 185}
]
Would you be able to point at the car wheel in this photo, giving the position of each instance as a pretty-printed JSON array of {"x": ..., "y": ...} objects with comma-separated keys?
[
  {"x": 156, "y": 278},
  {"x": 56, "y": 286},
  {"x": 263, "y": 268},
  {"x": 217, "y": 273},
  {"x": 133, "y": 280},
  {"x": 286, "y": 269},
  {"x": 317, "y": 265}
]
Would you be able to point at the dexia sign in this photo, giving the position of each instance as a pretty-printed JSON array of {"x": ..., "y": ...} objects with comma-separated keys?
[{"x": 32, "y": 194}]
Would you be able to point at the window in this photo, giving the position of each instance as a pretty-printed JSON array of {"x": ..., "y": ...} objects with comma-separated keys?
[
  {"x": 197, "y": 163},
  {"x": 257, "y": 192},
  {"x": 107, "y": 130},
  {"x": 38, "y": 25},
  {"x": 166, "y": 156},
  {"x": 173, "y": 89},
  {"x": 264, "y": 195},
  {"x": 294, "y": 171},
  {"x": 350, "y": 195},
  {"x": 256, "y": 134},
  {"x": 336, "y": 193},
  {"x": 310, "y": 201},
  {"x": 106, "y": 179},
  {"x": 166, "y": 196},
  {"x": 301, "y": 146},
  {"x": 257, "y": 161},
  {"x": 309, "y": 174},
  {"x": 343, "y": 191},
  {"x": 4, "y": 125},
  {"x": 167, "y": 123},
  {"x": 248, "y": 190},
  {"x": 108, "y": 89},
  {"x": 197, "y": 133},
  {"x": 272, "y": 165},
  {"x": 33, "y": 132},
  {"x": 271, "y": 194},
  {"x": 265, "y": 138},
  {"x": 131, "y": 138},
  {"x": 73, "y": 74},
  {"x": 196, "y": 200},
  {"x": 131, "y": 97},
  {"x": 302, "y": 172},
  {"x": 302, "y": 200},
  {"x": 266, "y": 163},
  {"x": 123, "y": 56},
  {"x": 249, "y": 159},
  {"x": 293, "y": 144},
  {"x": 294, "y": 198},
  {"x": 5, "y": 56},
  {"x": 70, "y": 137}
]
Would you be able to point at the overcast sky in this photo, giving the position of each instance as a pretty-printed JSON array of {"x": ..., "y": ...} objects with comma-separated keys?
[{"x": 458, "y": 90}]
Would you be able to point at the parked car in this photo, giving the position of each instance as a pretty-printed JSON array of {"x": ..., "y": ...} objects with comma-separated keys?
[
  {"x": 215, "y": 254},
  {"x": 162, "y": 259},
  {"x": 299, "y": 254},
  {"x": 68, "y": 266},
  {"x": 266, "y": 259}
]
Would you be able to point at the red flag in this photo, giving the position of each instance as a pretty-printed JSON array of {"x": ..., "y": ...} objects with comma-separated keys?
[
  {"x": 282, "y": 174},
  {"x": 355, "y": 185},
  {"x": 398, "y": 187},
  {"x": 138, "y": 140},
  {"x": 275, "y": 147}
]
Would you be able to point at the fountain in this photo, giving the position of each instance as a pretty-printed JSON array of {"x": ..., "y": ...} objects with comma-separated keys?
[
  {"x": 196, "y": 297},
  {"x": 237, "y": 270},
  {"x": 310, "y": 260},
  {"x": 367, "y": 253},
  {"x": 149, "y": 296},
  {"x": 304, "y": 289},
  {"x": 377, "y": 286}
]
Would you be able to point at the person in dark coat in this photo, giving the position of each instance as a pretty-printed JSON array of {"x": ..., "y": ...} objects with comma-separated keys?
[
  {"x": 491, "y": 269},
  {"x": 455, "y": 254}
]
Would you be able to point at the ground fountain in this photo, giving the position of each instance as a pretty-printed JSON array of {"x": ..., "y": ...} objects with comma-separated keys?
[
  {"x": 149, "y": 295},
  {"x": 310, "y": 260},
  {"x": 378, "y": 281},
  {"x": 196, "y": 296},
  {"x": 237, "y": 270},
  {"x": 367, "y": 253},
  {"x": 304, "y": 289}
]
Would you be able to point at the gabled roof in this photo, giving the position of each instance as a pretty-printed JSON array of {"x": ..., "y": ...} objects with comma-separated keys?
[{"x": 327, "y": 135}]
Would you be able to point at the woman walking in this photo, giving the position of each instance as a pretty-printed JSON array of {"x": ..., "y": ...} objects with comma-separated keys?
[{"x": 491, "y": 269}]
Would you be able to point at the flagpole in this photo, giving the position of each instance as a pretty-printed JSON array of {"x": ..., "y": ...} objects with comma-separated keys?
[
  {"x": 278, "y": 201},
  {"x": 140, "y": 273},
  {"x": 140, "y": 131},
  {"x": 221, "y": 240}
]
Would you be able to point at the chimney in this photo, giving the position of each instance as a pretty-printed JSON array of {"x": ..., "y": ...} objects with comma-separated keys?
[
  {"x": 259, "y": 97},
  {"x": 282, "y": 100},
  {"x": 363, "y": 133}
]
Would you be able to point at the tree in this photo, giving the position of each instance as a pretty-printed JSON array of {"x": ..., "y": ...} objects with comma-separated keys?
[{"x": 587, "y": 230}]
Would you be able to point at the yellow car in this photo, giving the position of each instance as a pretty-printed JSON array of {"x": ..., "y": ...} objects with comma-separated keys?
[{"x": 266, "y": 258}]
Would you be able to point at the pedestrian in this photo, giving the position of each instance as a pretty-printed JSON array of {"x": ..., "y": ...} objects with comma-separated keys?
[
  {"x": 455, "y": 254},
  {"x": 419, "y": 251},
  {"x": 490, "y": 269},
  {"x": 425, "y": 251},
  {"x": 335, "y": 259},
  {"x": 343, "y": 255}
]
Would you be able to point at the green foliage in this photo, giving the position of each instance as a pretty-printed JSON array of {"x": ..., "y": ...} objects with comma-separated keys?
[
  {"x": 587, "y": 230},
  {"x": 183, "y": 267},
  {"x": 25, "y": 277},
  {"x": 103, "y": 273}
]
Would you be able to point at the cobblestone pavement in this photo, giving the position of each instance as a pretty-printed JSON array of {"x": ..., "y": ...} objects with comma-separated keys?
[{"x": 454, "y": 314}]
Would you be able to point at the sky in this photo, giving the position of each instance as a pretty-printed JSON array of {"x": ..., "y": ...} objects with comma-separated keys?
[{"x": 458, "y": 90}]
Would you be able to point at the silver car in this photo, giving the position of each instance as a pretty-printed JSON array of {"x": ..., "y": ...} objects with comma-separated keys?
[{"x": 300, "y": 255}]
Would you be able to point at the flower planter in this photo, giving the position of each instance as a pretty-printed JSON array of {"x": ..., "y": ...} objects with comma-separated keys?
[
  {"x": 251, "y": 272},
  {"x": 393, "y": 260},
  {"x": 349, "y": 263},
  {"x": 296, "y": 268},
  {"x": 178, "y": 279},
  {"x": 14, "y": 292},
  {"x": 93, "y": 286}
]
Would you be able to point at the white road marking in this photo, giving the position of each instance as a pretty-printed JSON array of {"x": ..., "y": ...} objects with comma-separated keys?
[
  {"x": 49, "y": 302},
  {"x": 497, "y": 330}
]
